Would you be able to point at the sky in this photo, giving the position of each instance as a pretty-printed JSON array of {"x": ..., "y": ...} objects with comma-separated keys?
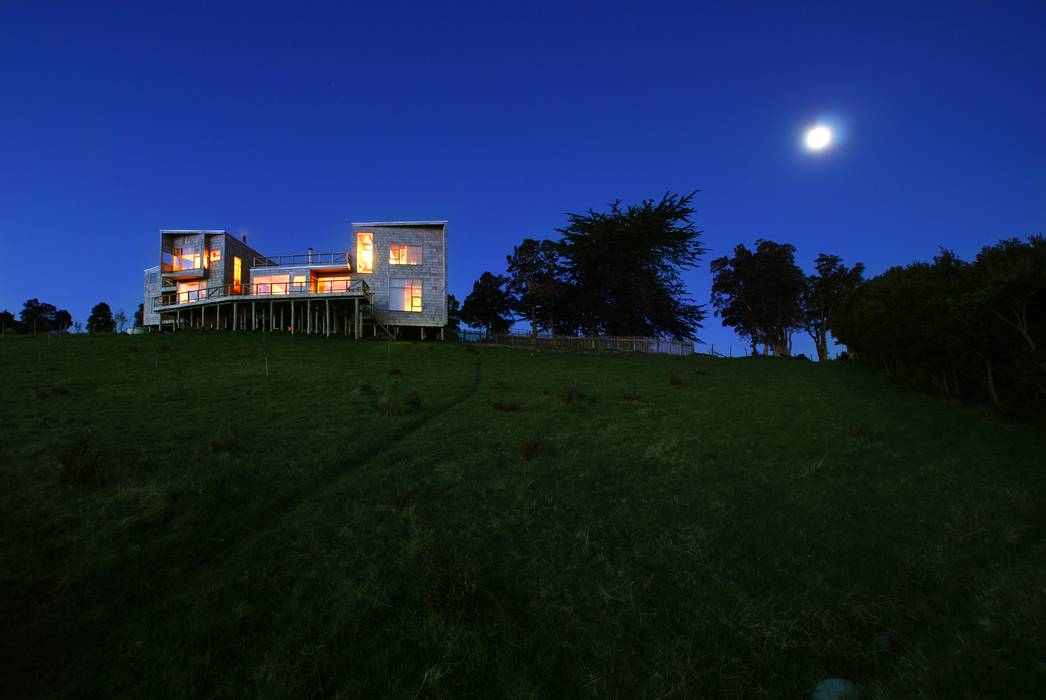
[{"x": 289, "y": 121}]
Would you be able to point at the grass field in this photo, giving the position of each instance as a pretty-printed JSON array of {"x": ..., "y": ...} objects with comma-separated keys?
[{"x": 376, "y": 519}]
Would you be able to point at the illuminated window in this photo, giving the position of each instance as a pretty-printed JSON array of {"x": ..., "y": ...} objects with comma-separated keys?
[
  {"x": 187, "y": 258},
  {"x": 215, "y": 255},
  {"x": 300, "y": 283},
  {"x": 405, "y": 295},
  {"x": 271, "y": 284},
  {"x": 237, "y": 271},
  {"x": 327, "y": 285},
  {"x": 188, "y": 292},
  {"x": 405, "y": 255},
  {"x": 364, "y": 251}
]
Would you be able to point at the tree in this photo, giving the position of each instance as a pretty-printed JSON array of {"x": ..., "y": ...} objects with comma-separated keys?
[
  {"x": 139, "y": 316},
  {"x": 101, "y": 319},
  {"x": 822, "y": 294},
  {"x": 121, "y": 320},
  {"x": 8, "y": 323},
  {"x": 625, "y": 268},
  {"x": 63, "y": 320},
  {"x": 37, "y": 317},
  {"x": 453, "y": 327},
  {"x": 536, "y": 283},
  {"x": 757, "y": 293},
  {"x": 488, "y": 306}
]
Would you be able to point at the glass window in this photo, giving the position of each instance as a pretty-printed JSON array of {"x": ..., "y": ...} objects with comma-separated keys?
[
  {"x": 271, "y": 284},
  {"x": 237, "y": 272},
  {"x": 189, "y": 292},
  {"x": 404, "y": 254},
  {"x": 327, "y": 285},
  {"x": 364, "y": 251},
  {"x": 216, "y": 255},
  {"x": 405, "y": 295},
  {"x": 187, "y": 258},
  {"x": 300, "y": 283}
]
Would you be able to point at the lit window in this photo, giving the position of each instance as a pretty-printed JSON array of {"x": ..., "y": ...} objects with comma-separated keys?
[
  {"x": 327, "y": 285},
  {"x": 237, "y": 271},
  {"x": 188, "y": 292},
  {"x": 186, "y": 258},
  {"x": 405, "y": 295},
  {"x": 364, "y": 251},
  {"x": 405, "y": 255},
  {"x": 216, "y": 255},
  {"x": 300, "y": 284},
  {"x": 271, "y": 284}
]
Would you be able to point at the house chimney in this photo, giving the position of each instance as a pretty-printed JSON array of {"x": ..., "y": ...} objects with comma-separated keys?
[{"x": 245, "y": 238}]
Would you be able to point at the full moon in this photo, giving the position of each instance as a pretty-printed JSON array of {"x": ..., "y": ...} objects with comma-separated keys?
[{"x": 818, "y": 138}]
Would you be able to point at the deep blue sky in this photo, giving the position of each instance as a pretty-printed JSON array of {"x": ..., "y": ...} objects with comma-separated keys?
[{"x": 290, "y": 121}]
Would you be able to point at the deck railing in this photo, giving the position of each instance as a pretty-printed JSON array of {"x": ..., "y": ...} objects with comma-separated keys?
[
  {"x": 303, "y": 259},
  {"x": 583, "y": 343},
  {"x": 353, "y": 288}
]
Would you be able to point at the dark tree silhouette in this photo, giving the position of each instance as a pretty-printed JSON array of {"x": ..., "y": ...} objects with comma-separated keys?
[
  {"x": 101, "y": 319},
  {"x": 625, "y": 264},
  {"x": 139, "y": 316},
  {"x": 37, "y": 317},
  {"x": 488, "y": 306},
  {"x": 453, "y": 327},
  {"x": 8, "y": 323},
  {"x": 536, "y": 283},
  {"x": 822, "y": 294},
  {"x": 758, "y": 294},
  {"x": 63, "y": 320}
]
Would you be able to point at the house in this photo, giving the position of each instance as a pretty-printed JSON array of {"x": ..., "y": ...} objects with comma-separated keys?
[{"x": 390, "y": 280}]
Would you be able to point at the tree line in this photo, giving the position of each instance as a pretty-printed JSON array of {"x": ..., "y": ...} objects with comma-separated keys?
[{"x": 40, "y": 317}]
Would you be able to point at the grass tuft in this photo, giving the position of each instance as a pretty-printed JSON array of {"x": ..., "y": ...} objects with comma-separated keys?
[
  {"x": 225, "y": 440},
  {"x": 506, "y": 406},
  {"x": 79, "y": 459},
  {"x": 674, "y": 379}
]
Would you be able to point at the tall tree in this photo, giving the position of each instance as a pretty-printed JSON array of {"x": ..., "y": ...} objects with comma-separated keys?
[
  {"x": 120, "y": 319},
  {"x": 8, "y": 323},
  {"x": 536, "y": 282},
  {"x": 101, "y": 319},
  {"x": 37, "y": 317},
  {"x": 758, "y": 294},
  {"x": 488, "y": 306},
  {"x": 453, "y": 327},
  {"x": 63, "y": 320},
  {"x": 139, "y": 316},
  {"x": 822, "y": 294},
  {"x": 625, "y": 266}
]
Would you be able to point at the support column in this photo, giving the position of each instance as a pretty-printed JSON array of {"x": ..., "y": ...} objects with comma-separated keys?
[
  {"x": 177, "y": 319},
  {"x": 327, "y": 323},
  {"x": 254, "y": 318},
  {"x": 308, "y": 317},
  {"x": 292, "y": 317},
  {"x": 235, "y": 314},
  {"x": 272, "y": 319},
  {"x": 356, "y": 319}
]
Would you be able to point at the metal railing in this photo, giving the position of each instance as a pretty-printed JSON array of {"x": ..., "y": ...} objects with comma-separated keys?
[
  {"x": 350, "y": 288},
  {"x": 304, "y": 259}
]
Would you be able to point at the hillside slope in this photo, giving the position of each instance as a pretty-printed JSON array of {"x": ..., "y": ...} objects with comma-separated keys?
[{"x": 432, "y": 519}]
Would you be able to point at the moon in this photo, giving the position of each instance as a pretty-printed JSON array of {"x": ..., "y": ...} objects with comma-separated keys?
[{"x": 818, "y": 138}]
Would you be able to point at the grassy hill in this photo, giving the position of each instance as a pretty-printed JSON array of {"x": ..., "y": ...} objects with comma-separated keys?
[{"x": 431, "y": 519}]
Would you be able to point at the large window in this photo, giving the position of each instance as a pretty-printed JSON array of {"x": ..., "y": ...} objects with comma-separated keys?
[
  {"x": 328, "y": 285},
  {"x": 188, "y": 292},
  {"x": 186, "y": 258},
  {"x": 237, "y": 272},
  {"x": 364, "y": 251},
  {"x": 271, "y": 284},
  {"x": 300, "y": 284},
  {"x": 404, "y": 254},
  {"x": 405, "y": 295}
]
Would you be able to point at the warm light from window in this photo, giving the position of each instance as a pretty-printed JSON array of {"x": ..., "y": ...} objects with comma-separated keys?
[
  {"x": 216, "y": 255},
  {"x": 271, "y": 284},
  {"x": 237, "y": 271},
  {"x": 364, "y": 251},
  {"x": 405, "y": 255},
  {"x": 326, "y": 285},
  {"x": 405, "y": 295}
]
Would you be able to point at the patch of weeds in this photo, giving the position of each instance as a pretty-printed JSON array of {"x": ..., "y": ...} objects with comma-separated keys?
[
  {"x": 49, "y": 391},
  {"x": 700, "y": 373},
  {"x": 574, "y": 395},
  {"x": 79, "y": 459},
  {"x": 453, "y": 579},
  {"x": 864, "y": 435},
  {"x": 395, "y": 371},
  {"x": 507, "y": 406},
  {"x": 134, "y": 348},
  {"x": 531, "y": 448},
  {"x": 674, "y": 379},
  {"x": 499, "y": 386},
  {"x": 225, "y": 440},
  {"x": 630, "y": 395},
  {"x": 389, "y": 403},
  {"x": 363, "y": 388}
]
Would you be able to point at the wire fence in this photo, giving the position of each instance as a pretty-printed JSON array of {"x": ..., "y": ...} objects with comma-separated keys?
[{"x": 573, "y": 343}]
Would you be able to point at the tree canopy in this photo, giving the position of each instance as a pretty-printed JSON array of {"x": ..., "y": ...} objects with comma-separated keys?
[
  {"x": 488, "y": 305},
  {"x": 624, "y": 266},
  {"x": 822, "y": 293},
  {"x": 536, "y": 284},
  {"x": 101, "y": 319}
]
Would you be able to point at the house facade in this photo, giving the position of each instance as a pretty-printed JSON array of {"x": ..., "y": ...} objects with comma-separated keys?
[{"x": 390, "y": 279}]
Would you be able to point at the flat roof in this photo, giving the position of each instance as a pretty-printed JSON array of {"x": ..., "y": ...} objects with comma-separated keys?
[
  {"x": 401, "y": 223},
  {"x": 192, "y": 230}
]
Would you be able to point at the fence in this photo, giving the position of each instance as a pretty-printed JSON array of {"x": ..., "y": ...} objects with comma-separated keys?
[{"x": 575, "y": 343}]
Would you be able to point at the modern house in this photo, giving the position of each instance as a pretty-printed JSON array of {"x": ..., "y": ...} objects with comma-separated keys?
[{"x": 391, "y": 280}]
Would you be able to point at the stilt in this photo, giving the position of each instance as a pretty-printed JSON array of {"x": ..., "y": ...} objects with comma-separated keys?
[
  {"x": 292, "y": 318},
  {"x": 235, "y": 315},
  {"x": 177, "y": 319},
  {"x": 327, "y": 324},
  {"x": 254, "y": 319},
  {"x": 308, "y": 317}
]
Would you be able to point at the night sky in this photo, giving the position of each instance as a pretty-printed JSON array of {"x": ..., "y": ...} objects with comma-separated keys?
[{"x": 289, "y": 122}]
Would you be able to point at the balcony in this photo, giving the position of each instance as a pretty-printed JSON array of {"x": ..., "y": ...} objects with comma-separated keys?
[
  {"x": 350, "y": 289},
  {"x": 316, "y": 261}
]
